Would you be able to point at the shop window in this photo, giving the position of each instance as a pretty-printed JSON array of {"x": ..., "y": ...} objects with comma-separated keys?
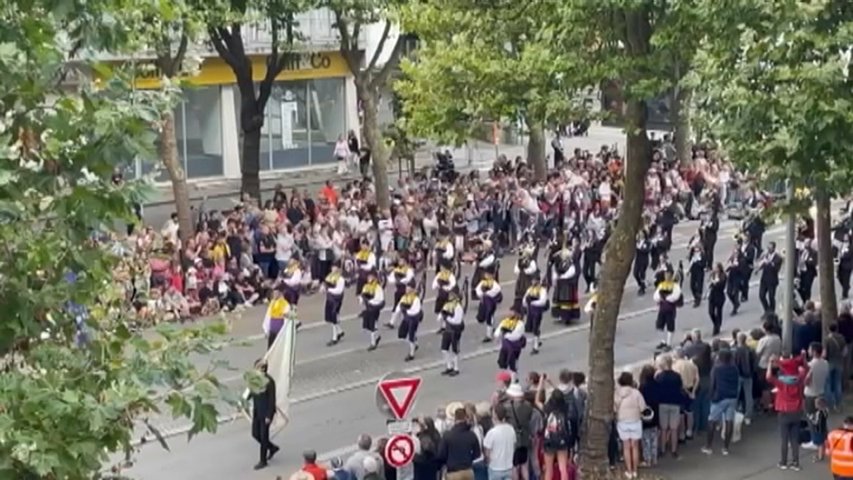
[{"x": 328, "y": 117}]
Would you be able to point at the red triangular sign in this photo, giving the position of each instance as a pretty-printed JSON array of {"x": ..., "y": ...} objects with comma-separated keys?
[{"x": 400, "y": 394}]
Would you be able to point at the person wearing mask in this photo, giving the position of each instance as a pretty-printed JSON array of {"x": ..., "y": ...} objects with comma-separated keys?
[
  {"x": 725, "y": 380},
  {"x": 671, "y": 397},
  {"x": 747, "y": 365},
  {"x": 839, "y": 447},
  {"x": 701, "y": 354},
  {"x": 499, "y": 446},
  {"x": 520, "y": 414},
  {"x": 628, "y": 405},
  {"x": 263, "y": 412},
  {"x": 788, "y": 402},
  {"x": 815, "y": 387},
  {"x": 459, "y": 448},
  {"x": 355, "y": 463}
]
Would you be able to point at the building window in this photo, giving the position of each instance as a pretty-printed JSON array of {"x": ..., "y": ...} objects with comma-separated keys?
[{"x": 328, "y": 117}]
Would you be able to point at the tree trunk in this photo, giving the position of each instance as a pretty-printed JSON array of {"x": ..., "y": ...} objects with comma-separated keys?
[
  {"x": 250, "y": 163},
  {"x": 373, "y": 138},
  {"x": 536, "y": 151},
  {"x": 172, "y": 162},
  {"x": 825, "y": 262},
  {"x": 680, "y": 118},
  {"x": 619, "y": 255}
]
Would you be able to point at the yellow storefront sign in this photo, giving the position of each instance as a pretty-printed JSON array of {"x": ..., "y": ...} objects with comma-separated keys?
[{"x": 214, "y": 70}]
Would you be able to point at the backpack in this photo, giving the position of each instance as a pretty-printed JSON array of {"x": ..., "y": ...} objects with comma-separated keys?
[{"x": 557, "y": 433}]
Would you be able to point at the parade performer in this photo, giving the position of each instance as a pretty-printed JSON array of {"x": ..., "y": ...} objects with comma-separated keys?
[
  {"x": 668, "y": 297},
  {"x": 770, "y": 265},
  {"x": 411, "y": 309},
  {"x": 445, "y": 255},
  {"x": 525, "y": 271},
  {"x": 536, "y": 302},
  {"x": 696, "y": 270},
  {"x": 334, "y": 285},
  {"x": 452, "y": 315},
  {"x": 589, "y": 308},
  {"x": 292, "y": 282},
  {"x": 401, "y": 276},
  {"x": 749, "y": 254},
  {"x": 485, "y": 263},
  {"x": 717, "y": 297},
  {"x": 372, "y": 298},
  {"x": 488, "y": 291},
  {"x": 277, "y": 313},
  {"x": 444, "y": 282},
  {"x": 565, "y": 306},
  {"x": 844, "y": 269},
  {"x": 708, "y": 228},
  {"x": 641, "y": 260},
  {"x": 511, "y": 332},
  {"x": 366, "y": 262},
  {"x": 734, "y": 271}
]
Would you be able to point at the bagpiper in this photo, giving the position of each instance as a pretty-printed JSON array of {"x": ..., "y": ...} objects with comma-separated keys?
[
  {"x": 511, "y": 332},
  {"x": 334, "y": 285},
  {"x": 525, "y": 271},
  {"x": 536, "y": 302},
  {"x": 366, "y": 263},
  {"x": 411, "y": 311},
  {"x": 452, "y": 315},
  {"x": 401, "y": 276},
  {"x": 291, "y": 279},
  {"x": 444, "y": 283},
  {"x": 565, "y": 306},
  {"x": 445, "y": 255},
  {"x": 372, "y": 298},
  {"x": 488, "y": 291},
  {"x": 668, "y": 297},
  {"x": 277, "y": 313}
]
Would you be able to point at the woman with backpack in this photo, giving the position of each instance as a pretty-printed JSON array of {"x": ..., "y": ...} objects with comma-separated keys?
[{"x": 558, "y": 437}]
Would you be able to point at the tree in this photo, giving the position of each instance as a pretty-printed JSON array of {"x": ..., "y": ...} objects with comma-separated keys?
[
  {"x": 226, "y": 34},
  {"x": 168, "y": 29},
  {"x": 371, "y": 78},
  {"x": 633, "y": 42},
  {"x": 75, "y": 381},
  {"x": 487, "y": 61},
  {"x": 778, "y": 91}
]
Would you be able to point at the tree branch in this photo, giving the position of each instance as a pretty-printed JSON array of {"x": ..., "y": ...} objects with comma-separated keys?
[
  {"x": 346, "y": 50},
  {"x": 393, "y": 60},
  {"x": 220, "y": 38},
  {"x": 178, "y": 59},
  {"x": 274, "y": 65},
  {"x": 380, "y": 46}
]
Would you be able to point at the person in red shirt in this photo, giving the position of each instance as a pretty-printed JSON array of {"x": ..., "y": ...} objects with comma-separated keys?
[
  {"x": 310, "y": 466},
  {"x": 788, "y": 385},
  {"x": 329, "y": 193}
]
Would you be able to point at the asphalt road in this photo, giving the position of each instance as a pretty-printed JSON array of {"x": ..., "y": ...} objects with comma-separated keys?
[{"x": 333, "y": 391}]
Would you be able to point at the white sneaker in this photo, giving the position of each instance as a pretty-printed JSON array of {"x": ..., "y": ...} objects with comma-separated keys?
[
  {"x": 747, "y": 421},
  {"x": 809, "y": 446}
]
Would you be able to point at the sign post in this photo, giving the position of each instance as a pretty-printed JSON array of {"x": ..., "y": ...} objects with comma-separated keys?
[{"x": 400, "y": 451}]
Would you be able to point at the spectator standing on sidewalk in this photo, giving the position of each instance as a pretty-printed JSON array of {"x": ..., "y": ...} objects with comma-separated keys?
[
  {"x": 836, "y": 353},
  {"x": 788, "y": 402},
  {"x": 724, "y": 390},
  {"x": 520, "y": 415},
  {"x": 499, "y": 446},
  {"x": 672, "y": 396},
  {"x": 341, "y": 153},
  {"x": 747, "y": 364},
  {"x": 701, "y": 353},
  {"x": 686, "y": 369},
  {"x": 815, "y": 388},
  {"x": 629, "y": 405},
  {"x": 650, "y": 389},
  {"x": 355, "y": 463},
  {"x": 459, "y": 448}
]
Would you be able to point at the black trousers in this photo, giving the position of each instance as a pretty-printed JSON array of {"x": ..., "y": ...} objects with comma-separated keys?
[
  {"x": 744, "y": 284},
  {"x": 715, "y": 311},
  {"x": 733, "y": 291},
  {"x": 641, "y": 265},
  {"x": 767, "y": 296},
  {"x": 844, "y": 280},
  {"x": 697, "y": 284},
  {"x": 806, "y": 282},
  {"x": 261, "y": 434}
]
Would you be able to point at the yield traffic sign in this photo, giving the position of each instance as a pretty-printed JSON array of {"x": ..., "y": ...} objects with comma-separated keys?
[
  {"x": 400, "y": 450},
  {"x": 399, "y": 394}
]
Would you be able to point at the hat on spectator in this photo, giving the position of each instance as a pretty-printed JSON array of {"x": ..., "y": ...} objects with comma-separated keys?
[
  {"x": 451, "y": 408},
  {"x": 515, "y": 391},
  {"x": 503, "y": 376}
]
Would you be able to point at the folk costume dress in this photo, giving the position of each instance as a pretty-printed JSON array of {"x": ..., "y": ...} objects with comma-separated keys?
[{"x": 565, "y": 304}]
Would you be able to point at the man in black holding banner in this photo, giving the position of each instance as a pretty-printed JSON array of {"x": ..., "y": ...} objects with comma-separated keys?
[{"x": 263, "y": 411}]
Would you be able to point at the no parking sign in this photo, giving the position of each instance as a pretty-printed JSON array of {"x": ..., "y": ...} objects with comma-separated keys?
[{"x": 400, "y": 451}]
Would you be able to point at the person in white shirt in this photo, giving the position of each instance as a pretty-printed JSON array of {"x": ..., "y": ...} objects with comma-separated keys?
[
  {"x": 452, "y": 315},
  {"x": 170, "y": 229},
  {"x": 489, "y": 293},
  {"x": 411, "y": 309},
  {"x": 334, "y": 285},
  {"x": 284, "y": 244},
  {"x": 499, "y": 446}
]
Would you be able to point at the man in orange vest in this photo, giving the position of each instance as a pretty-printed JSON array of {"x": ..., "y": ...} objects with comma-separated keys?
[{"x": 839, "y": 446}]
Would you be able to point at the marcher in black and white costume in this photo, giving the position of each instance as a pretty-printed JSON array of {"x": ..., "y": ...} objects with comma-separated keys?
[
  {"x": 366, "y": 262},
  {"x": 372, "y": 298},
  {"x": 845, "y": 266},
  {"x": 770, "y": 265},
  {"x": 401, "y": 277},
  {"x": 488, "y": 291},
  {"x": 334, "y": 285},
  {"x": 411, "y": 309},
  {"x": 525, "y": 271},
  {"x": 536, "y": 302},
  {"x": 443, "y": 283},
  {"x": 696, "y": 269},
  {"x": 445, "y": 255},
  {"x": 452, "y": 316},
  {"x": 641, "y": 259}
]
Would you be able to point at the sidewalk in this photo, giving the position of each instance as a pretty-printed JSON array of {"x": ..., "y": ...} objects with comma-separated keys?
[{"x": 755, "y": 457}]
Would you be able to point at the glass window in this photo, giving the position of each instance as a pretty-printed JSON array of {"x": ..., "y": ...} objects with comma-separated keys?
[
  {"x": 327, "y": 117},
  {"x": 201, "y": 132},
  {"x": 286, "y": 126}
]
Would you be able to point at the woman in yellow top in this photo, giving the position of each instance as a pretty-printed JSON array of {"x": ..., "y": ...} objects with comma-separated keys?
[{"x": 275, "y": 317}]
